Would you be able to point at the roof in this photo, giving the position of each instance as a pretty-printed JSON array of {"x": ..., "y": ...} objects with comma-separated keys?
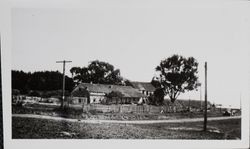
[
  {"x": 127, "y": 91},
  {"x": 147, "y": 86},
  {"x": 79, "y": 93}
]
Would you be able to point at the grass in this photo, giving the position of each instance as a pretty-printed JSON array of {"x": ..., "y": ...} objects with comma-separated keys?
[
  {"x": 30, "y": 128},
  {"x": 47, "y": 110}
]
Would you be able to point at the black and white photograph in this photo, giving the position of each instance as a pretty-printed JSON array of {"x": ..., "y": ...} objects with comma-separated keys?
[{"x": 129, "y": 70}]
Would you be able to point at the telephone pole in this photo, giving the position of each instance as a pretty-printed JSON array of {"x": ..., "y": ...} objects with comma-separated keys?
[
  {"x": 63, "y": 88},
  {"x": 205, "y": 106},
  {"x": 189, "y": 104},
  {"x": 240, "y": 101},
  {"x": 1, "y": 102},
  {"x": 200, "y": 98}
]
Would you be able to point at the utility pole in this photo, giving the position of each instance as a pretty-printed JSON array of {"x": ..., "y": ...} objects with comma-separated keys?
[
  {"x": 205, "y": 106},
  {"x": 240, "y": 101},
  {"x": 189, "y": 108},
  {"x": 63, "y": 88},
  {"x": 189, "y": 104},
  {"x": 1, "y": 101},
  {"x": 200, "y": 98}
]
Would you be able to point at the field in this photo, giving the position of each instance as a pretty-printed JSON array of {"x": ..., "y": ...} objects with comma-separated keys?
[{"x": 31, "y": 128}]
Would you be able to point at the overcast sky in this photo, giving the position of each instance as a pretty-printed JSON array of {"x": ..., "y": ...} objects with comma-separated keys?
[{"x": 136, "y": 36}]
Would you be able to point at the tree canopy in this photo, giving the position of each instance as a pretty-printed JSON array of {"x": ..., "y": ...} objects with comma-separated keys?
[
  {"x": 97, "y": 72},
  {"x": 177, "y": 74},
  {"x": 115, "y": 94},
  {"x": 39, "y": 81},
  {"x": 157, "y": 98}
]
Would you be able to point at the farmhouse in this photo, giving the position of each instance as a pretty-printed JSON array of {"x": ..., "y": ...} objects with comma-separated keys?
[
  {"x": 145, "y": 88},
  {"x": 96, "y": 93}
]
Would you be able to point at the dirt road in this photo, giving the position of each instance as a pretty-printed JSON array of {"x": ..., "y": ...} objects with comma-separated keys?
[{"x": 94, "y": 121}]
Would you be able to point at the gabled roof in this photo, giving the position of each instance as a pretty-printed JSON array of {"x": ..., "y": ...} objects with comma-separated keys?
[
  {"x": 147, "y": 86},
  {"x": 79, "y": 93},
  {"x": 127, "y": 91}
]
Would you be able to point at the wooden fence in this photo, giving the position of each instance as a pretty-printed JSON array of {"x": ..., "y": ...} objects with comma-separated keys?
[{"x": 129, "y": 108}]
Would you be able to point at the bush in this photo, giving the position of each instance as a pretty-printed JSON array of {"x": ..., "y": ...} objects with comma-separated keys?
[
  {"x": 34, "y": 93},
  {"x": 15, "y": 92}
]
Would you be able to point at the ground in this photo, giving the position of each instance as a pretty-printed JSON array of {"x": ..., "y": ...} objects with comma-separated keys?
[{"x": 27, "y": 128}]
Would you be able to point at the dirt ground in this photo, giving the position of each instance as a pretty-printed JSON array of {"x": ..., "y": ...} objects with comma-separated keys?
[{"x": 30, "y": 128}]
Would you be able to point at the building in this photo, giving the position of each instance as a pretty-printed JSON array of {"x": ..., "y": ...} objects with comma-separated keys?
[
  {"x": 96, "y": 93},
  {"x": 145, "y": 88}
]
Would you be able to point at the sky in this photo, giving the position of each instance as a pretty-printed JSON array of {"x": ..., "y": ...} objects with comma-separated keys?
[{"x": 136, "y": 36}]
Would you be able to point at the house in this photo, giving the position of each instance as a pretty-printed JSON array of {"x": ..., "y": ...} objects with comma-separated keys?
[
  {"x": 96, "y": 93},
  {"x": 145, "y": 88},
  {"x": 80, "y": 95}
]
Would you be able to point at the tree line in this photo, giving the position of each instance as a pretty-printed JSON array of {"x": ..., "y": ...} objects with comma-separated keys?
[{"x": 26, "y": 82}]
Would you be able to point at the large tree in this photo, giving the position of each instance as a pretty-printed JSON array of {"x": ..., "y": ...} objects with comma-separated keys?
[
  {"x": 97, "y": 72},
  {"x": 177, "y": 74},
  {"x": 80, "y": 74},
  {"x": 114, "y": 95}
]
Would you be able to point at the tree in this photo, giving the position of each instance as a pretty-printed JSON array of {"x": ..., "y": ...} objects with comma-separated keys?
[
  {"x": 80, "y": 75},
  {"x": 155, "y": 83},
  {"x": 97, "y": 72},
  {"x": 114, "y": 95},
  {"x": 157, "y": 98},
  {"x": 177, "y": 74},
  {"x": 39, "y": 81},
  {"x": 19, "y": 80}
]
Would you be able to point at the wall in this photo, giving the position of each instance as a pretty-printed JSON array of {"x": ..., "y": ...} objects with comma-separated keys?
[
  {"x": 78, "y": 100},
  {"x": 123, "y": 100},
  {"x": 96, "y": 98}
]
